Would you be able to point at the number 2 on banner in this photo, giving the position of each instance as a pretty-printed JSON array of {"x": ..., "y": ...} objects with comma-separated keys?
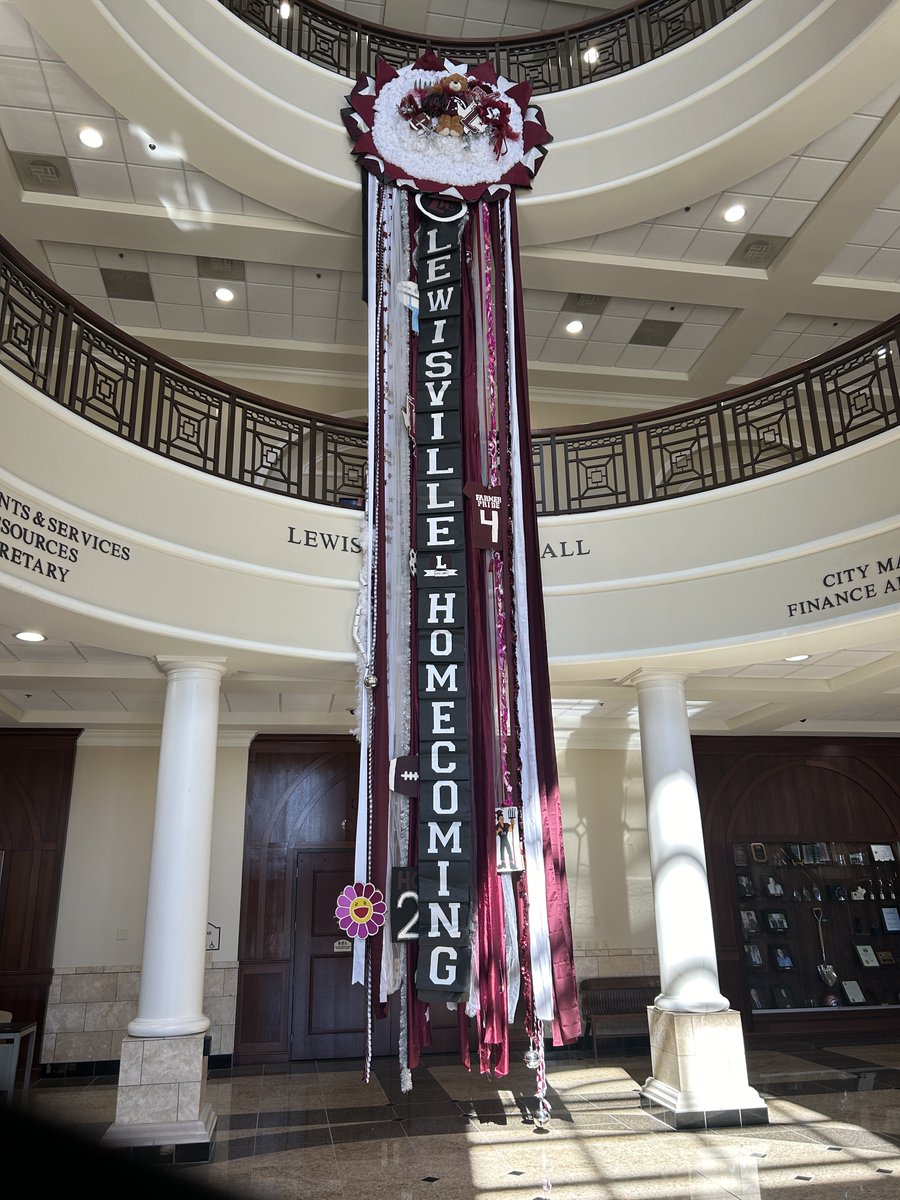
[{"x": 408, "y": 933}]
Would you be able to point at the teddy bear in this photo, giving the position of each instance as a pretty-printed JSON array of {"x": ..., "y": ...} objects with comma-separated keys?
[{"x": 452, "y": 94}]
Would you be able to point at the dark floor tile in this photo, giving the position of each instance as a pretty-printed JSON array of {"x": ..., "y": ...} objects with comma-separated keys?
[
  {"x": 291, "y": 1139},
  {"x": 484, "y": 1108},
  {"x": 801, "y": 1087},
  {"x": 370, "y": 1131},
  {"x": 191, "y": 1152},
  {"x": 341, "y": 1066},
  {"x": 832, "y": 1058},
  {"x": 293, "y": 1116},
  {"x": 408, "y": 1108},
  {"x": 754, "y": 1116},
  {"x": 722, "y": 1118},
  {"x": 431, "y": 1126},
  {"x": 231, "y": 1149},
  {"x": 230, "y": 1121},
  {"x": 361, "y": 1114},
  {"x": 429, "y": 1093}
]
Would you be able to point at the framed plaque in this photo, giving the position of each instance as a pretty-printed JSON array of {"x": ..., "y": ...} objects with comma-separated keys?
[
  {"x": 867, "y": 956},
  {"x": 853, "y": 991}
]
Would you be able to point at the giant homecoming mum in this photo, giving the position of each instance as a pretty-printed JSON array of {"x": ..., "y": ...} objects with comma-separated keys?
[{"x": 459, "y": 817}]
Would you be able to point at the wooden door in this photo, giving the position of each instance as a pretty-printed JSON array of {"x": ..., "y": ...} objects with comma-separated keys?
[{"x": 329, "y": 1012}]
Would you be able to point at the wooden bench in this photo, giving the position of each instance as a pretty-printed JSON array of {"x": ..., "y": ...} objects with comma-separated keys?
[{"x": 616, "y": 1007}]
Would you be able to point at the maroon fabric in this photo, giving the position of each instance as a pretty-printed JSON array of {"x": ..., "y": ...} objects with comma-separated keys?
[
  {"x": 483, "y": 763},
  {"x": 567, "y": 1020}
]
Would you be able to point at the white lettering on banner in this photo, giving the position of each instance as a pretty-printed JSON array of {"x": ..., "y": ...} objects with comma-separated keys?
[
  {"x": 439, "y": 610},
  {"x": 440, "y": 299},
  {"x": 442, "y": 715},
  {"x": 440, "y": 919},
  {"x": 447, "y": 837},
  {"x": 433, "y": 501},
  {"x": 445, "y": 678},
  {"x": 437, "y": 426},
  {"x": 436, "y": 747},
  {"x": 436, "y": 392},
  {"x": 443, "y": 884},
  {"x": 431, "y": 236},
  {"x": 442, "y": 976},
  {"x": 438, "y": 364},
  {"x": 440, "y": 531},
  {"x": 441, "y": 643},
  {"x": 441, "y": 540},
  {"x": 451, "y": 787},
  {"x": 437, "y": 269},
  {"x": 431, "y": 455}
]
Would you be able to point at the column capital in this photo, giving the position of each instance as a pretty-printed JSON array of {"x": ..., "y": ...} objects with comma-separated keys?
[
  {"x": 169, "y": 665},
  {"x": 657, "y": 675}
]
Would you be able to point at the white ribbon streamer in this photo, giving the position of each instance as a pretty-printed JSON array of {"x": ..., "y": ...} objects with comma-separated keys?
[{"x": 532, "y": 826}]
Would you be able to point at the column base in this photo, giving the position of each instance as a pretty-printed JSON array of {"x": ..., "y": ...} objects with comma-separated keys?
[
  {"x": 190, "y": 1141},
  {"x": 699, "y": 1078},
  {"x": 161, "y": 1098}
]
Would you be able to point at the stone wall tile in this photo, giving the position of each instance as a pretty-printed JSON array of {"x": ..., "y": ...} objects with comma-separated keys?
[{"x": 93, "y": 986}]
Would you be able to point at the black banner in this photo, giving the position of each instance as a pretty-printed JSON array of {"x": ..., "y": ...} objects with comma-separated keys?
[{"x": 445, "y": 838}]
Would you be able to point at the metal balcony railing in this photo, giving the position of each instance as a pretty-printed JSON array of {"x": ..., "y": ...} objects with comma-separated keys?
[
  {"x": 597, "y": 49},
  {"x": 70, "y": 354}
]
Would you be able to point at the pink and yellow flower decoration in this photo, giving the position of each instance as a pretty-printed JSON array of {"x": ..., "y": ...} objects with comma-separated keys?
[{"x": 360, "y": 910}]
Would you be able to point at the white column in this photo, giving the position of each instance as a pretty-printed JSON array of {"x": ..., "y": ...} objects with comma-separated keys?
[
  {"x": 687, "y": 953},
  {"x": 171, "y": 994}
]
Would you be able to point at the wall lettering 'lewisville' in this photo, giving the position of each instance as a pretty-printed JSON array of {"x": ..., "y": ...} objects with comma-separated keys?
[{"x": 445, "y": 840}]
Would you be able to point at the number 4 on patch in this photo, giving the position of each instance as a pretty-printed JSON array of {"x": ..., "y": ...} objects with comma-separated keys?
[{"x": 487, "y": 512}]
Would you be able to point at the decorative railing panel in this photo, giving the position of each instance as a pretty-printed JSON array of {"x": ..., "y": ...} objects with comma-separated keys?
[
  {"x": 117, "y": 383},
  {"x": 596, "y": 49}
]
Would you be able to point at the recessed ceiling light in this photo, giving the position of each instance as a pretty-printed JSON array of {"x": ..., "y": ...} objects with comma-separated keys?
[
  {"x": 797, "y": 658},
  {"x": 734, "y": 212},
  {"x": 575, "y": 327},
  {"x": 591, "y": 55},
  {"x": 30, "y": 635},
  {"x": 91, "y": 137},
  {"x": 224, "y": 294},
  {"x": 285, "y": 11}
]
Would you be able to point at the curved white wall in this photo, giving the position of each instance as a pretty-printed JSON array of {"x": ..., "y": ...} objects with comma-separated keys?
[
  {"x": 766, "y": 81},
  {"x": 211, "y": 565},
  {"x": 201, "y": 563}
]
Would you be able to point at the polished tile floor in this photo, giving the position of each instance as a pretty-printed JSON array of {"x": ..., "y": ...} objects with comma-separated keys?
[{"x": 316, "y": 1131}]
